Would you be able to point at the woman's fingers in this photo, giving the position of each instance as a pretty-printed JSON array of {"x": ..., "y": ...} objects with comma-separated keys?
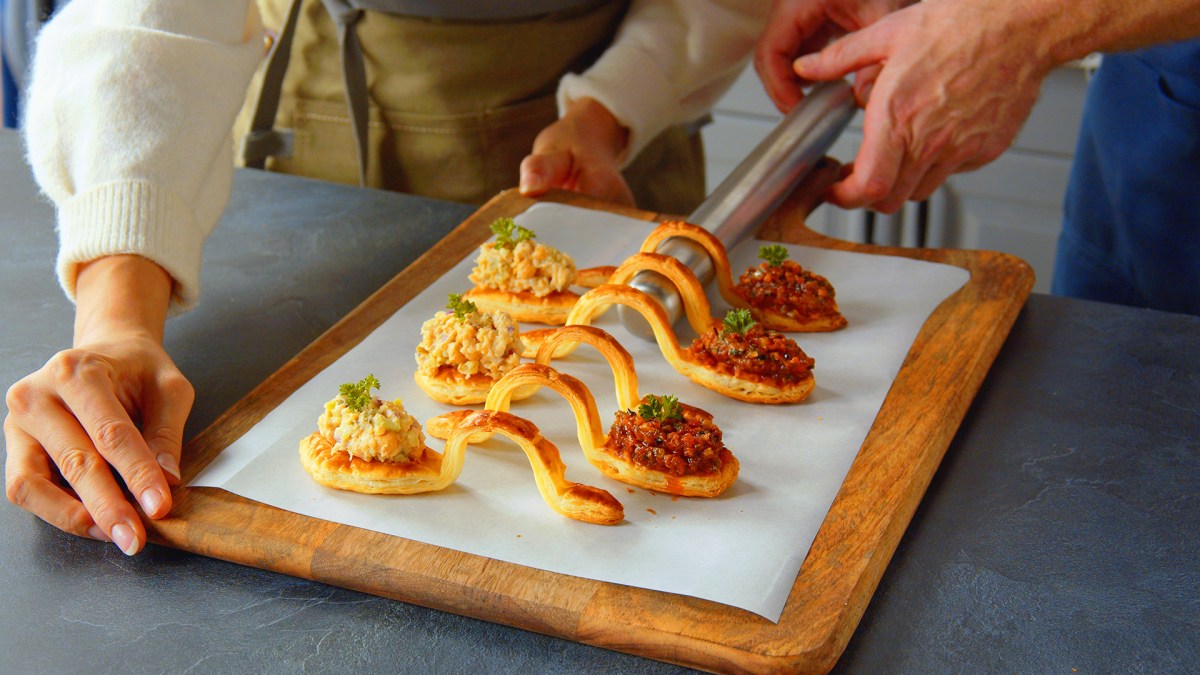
[
  {"x": 31, "y": 483},
  {"x": 788, "y": 28},
  {"x": 72, "y": 424},
  {"x": 163, "y": 418},
  {"x": 86, "y": 384},
  {"x": 567, "y": 170},
  {"x": 542, "y": 171},
  {"x": 48, "y": 427}
]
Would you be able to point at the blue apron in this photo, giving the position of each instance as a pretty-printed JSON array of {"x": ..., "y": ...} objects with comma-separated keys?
[{"x": 1131, "y": 229}]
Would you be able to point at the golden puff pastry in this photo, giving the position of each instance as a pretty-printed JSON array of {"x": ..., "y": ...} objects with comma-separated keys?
[
  {"x": 694, "y": 301},
  {"x": 763, "y": 366},
  {"x": 563, "y": 338},
  {"x": 680, "y": 452},
  {"x": 780, "y": 294},
  {"x": 529, "y": 281},
  {"x": 464, "y": 351},
  {"x": 367, "y": 445}
]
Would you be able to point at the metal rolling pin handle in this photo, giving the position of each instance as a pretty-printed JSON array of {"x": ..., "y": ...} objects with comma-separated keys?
[{"x": 755, "y": 188}]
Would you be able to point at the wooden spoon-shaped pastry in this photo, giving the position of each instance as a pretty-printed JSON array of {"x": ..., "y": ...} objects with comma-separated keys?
[
  {"x": 739, "y": 359},
  {"x": 665, "y": 446},
  {"x": 695, "y": 302},
  {"x": 780, "y": 294},
  {"x": 367, "y": 445}
]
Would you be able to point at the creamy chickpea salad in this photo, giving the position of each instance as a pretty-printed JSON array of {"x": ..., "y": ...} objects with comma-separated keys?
[
  {"x": 525, "y": 266},
  {"x": 382, "y": 431},
  {"x": 477, "y": 343}
]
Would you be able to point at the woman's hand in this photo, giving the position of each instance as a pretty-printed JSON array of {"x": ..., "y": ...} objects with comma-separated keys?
[
  {"x": 799, "y": 27},
  {"x": 115, "y": 402},
  {"x": 580, "y": 152}
]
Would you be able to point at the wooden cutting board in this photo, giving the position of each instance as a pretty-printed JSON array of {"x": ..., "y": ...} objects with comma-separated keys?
[{"x": 940, "y": 376}]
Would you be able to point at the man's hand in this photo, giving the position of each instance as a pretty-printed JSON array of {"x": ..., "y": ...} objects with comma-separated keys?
[
  {"x": 114, "y": 402},
  {"x": 580, "y": 152},
  {"x": 946, "y": 85}
]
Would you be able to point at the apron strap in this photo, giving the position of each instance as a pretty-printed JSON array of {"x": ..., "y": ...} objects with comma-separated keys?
[
  {"x": 263, "y": 140},
  {"x": 354, "y": 76}
]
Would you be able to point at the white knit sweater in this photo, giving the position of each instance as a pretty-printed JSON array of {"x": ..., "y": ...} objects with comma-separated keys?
[{"x": 131, "y": 103}]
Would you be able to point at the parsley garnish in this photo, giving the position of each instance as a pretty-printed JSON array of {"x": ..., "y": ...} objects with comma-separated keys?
[
  {"x": 738, "y": 321},
  {"x": 508, "y": 233},
  {"x": 357, "y": 395},
  {"x": 460, "y": 307},
  {"x": 774, "y": 254},
  {"x": 661, "y": 408}
]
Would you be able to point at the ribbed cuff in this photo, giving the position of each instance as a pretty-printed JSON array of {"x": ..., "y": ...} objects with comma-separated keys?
[
  {"x": 132, "y": 217},
  {"x": 634, "y": 89}
]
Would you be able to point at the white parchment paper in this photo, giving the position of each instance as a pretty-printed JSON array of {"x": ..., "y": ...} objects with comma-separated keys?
[{"x": 743, "y": 548}]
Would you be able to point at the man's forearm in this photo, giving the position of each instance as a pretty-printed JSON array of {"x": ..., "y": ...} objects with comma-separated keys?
[{"x": 1072, "y": 30}]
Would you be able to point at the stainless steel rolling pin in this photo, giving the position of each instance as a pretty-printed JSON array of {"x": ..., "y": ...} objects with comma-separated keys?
[{"x": 755, "y": 188}]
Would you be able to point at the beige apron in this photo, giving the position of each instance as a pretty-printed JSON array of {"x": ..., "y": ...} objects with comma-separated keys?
[{"x": 454, "y": 106}]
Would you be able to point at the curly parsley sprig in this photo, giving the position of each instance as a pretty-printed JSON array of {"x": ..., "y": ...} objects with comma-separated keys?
[
  {"x": 357, "y": 395},
  {"x": 661, "y": 408},
  {"x": 461, "y": 307},
  {"x": 508, "y": 233},
  {"x": 774, "y": 254},
  {"x": 738, "y": 320}
]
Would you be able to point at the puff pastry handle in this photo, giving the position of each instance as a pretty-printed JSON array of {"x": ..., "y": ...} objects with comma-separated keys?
[
  {"x": 596, "y": 301},
  {"x": 619, "y": 359},
  {"x": 713, "y": 246},
  {"x": 691, "y": 291},
  {"x": 573, "y": 500}
]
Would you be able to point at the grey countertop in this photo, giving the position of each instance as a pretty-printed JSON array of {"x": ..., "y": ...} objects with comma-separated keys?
[{"x": 1061, "y": 532}]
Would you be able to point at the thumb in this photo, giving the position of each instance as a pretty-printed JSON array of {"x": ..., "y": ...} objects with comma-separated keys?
[{"x": 545, "y": 170}]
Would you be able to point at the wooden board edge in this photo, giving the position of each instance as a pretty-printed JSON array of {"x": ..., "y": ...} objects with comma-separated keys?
[{"x": 364, "y": 560}]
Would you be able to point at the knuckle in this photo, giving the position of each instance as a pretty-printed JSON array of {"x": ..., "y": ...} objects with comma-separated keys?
[
  {"x": 176, "y": 387},
  {"x": 876, "y": 190},
  {"x": 164, "y": 437},
  {"x": 75, "y": 464},
  {"x": 114, "y": 435},
  {"x": 105, "y": 511},
  {"x": 17, "y": 488},
  {"x": 142, "y": 476},
  {"x": 72, "y": 364},
  {"x": 75, "y": 520},
  {"x": 20, "y": 397}
]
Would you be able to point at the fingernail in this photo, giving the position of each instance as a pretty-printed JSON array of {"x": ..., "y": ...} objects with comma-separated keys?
[
  {"x": 169, "y": 464},
  {"x": 96, "y": 533},
  {"x": 531, "y": 181},
  {"x": 123, "y": 537},
  {"x": 151, "y": 499},
  {"x": 804, "y": 63}
]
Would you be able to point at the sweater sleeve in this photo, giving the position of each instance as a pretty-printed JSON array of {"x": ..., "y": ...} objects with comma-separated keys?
[
  {"x": 669, "y": 63},
  {"x": 127, "y": 127}
]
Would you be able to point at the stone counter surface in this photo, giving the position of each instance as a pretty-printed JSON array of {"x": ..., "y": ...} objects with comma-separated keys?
[{"x": 1061, "y": 532}]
